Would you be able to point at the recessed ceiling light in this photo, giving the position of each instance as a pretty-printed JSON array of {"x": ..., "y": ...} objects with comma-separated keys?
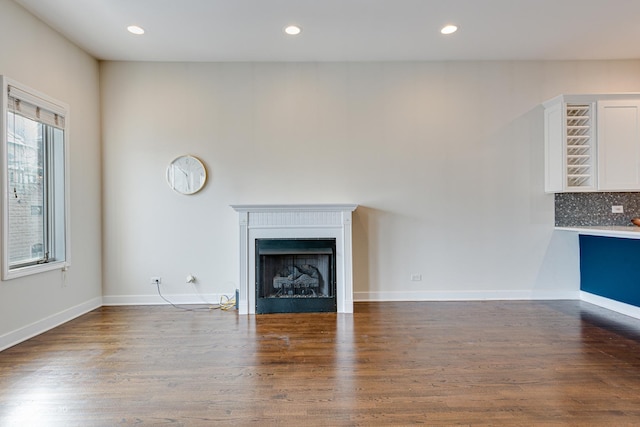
[
  {"x": 293, "y": 30},
  {"x": 449, "y": 29},
  {"x": 134, "y": 29}
]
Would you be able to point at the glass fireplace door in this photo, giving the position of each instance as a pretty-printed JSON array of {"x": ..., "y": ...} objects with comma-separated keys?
[{"x": 295, "y": 275}]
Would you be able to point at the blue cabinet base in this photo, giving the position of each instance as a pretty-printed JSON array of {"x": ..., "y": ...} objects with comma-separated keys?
[{"x": 610, "y": 267}]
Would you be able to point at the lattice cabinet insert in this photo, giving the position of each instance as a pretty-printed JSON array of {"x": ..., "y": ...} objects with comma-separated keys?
[{"x": 579, "y": 146}]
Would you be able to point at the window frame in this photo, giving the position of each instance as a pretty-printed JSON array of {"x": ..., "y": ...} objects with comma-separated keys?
[{"x": 61, "y": 234}]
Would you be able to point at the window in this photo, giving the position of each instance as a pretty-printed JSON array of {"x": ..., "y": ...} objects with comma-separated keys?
[{"x": 34, "y": 210}]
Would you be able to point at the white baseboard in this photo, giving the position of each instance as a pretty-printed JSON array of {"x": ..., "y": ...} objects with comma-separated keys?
[
  {"x": 155, "y": 299},
  {"x": 620, "y": 307},
  {"x": 15, "y": 337},
  {"x": 465, "y": 295}
]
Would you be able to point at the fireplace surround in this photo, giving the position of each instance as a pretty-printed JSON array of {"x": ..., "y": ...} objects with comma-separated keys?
[{"x": 330, "y": 222}]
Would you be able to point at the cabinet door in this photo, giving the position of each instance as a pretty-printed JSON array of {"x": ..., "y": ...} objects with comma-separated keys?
[
  {"x": 553, "y": 147},
  {"x": 618, "y": 145}
]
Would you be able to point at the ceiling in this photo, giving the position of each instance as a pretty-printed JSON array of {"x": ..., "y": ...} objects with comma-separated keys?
[{"x": 347, "y": 30}]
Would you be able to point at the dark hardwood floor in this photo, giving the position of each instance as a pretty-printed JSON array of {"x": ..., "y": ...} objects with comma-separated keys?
[{"x": 432, "y": 363}]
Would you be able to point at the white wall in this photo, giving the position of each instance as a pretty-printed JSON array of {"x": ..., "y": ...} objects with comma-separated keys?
[
  {"x": 42, "y": 59},
  {"x": 445, "y": 159}
]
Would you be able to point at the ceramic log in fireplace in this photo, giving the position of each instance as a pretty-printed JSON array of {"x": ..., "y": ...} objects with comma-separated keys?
[{"x": 296, "y": 223}]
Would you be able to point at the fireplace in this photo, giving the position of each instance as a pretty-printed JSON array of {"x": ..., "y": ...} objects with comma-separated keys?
[
  {"x": 295, "y": 275},
  {"x": 272, "y": 243}
]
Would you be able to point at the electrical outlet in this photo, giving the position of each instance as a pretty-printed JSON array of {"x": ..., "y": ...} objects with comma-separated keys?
[
  {"x": 617, "y": 209},
  {"x": 156, "y": 280},
  {"x": 416, "y": 277}
]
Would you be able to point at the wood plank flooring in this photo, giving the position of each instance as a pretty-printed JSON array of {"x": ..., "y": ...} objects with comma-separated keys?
[{"x": 432, "y": 363}]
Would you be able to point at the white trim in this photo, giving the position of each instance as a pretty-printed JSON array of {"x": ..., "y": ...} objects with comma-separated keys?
[
  {"x": 35, "y": 269},
  {"x": 465, "y": 295},
  {"x": 324, "y": 207},
  {"x": 627, "y": 232},
  {"x": 155, "y": 299},
  {"x": 617, "y": 306},
  {"x": 43, "y": 325}
]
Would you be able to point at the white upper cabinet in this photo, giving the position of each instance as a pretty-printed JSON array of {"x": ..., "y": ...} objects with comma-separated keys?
[
  {"x": 619, "y": 145},
  {"x": 592, "y": 143}
]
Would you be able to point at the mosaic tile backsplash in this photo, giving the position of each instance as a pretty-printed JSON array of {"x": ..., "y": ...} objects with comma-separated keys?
[{"x": 587, "y": 209}]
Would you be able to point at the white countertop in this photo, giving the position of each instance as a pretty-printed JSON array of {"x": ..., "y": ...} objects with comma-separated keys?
[{"x": 626, "y": 232}]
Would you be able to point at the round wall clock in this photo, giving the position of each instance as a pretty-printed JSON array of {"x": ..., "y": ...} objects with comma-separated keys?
[{"x": 186, "y": 174}]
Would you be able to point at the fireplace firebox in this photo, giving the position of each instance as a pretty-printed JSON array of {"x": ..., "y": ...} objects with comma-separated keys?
[{"x": 295, "y": 275}]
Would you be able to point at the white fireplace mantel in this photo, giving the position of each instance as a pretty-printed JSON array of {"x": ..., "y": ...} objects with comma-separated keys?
[{"x": 295, "y": 221}]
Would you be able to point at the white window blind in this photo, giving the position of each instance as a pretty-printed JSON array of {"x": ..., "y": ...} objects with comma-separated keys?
[{"x": 35, "y": 108}]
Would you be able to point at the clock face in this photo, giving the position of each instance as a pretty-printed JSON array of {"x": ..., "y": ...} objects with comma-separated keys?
[{"x": 186, "y": 175}]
